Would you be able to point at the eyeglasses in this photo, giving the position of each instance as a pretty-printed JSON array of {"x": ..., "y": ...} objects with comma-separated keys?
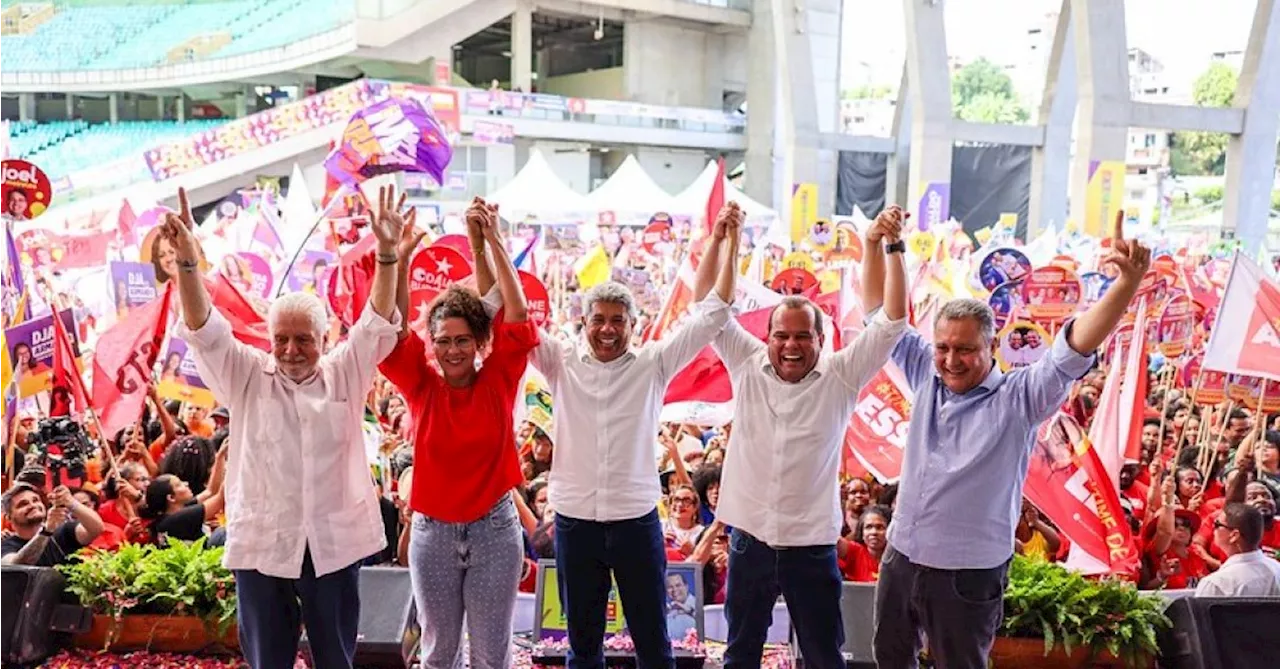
[
  {"x": 1219, "y": 525},
  {"x": 683, "y": 500}
]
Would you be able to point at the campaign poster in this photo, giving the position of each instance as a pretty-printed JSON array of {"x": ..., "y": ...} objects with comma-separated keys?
[
  {"x": 1095, "y": 285},
  {"x": 133, "y": 285},
  {"x": 1001, "y": 266},
  {"x": 1021, "y": 344},
  {"x": 1006, "y": 302},
  {"x": 27, "y": 192},
  {"x": 30, "y": 348},
  {"x": 793, "y": 281},
  {"x": 682, "y": 605},
  {"x": 309, "y": 272},
  {"x": 1051, "y": 293},
  {"x": 1177, "y": 324},
  {"x": 179, "y": 379}
]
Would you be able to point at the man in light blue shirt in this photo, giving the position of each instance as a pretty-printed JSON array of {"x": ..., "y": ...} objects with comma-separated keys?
[{"x": 960, "y": 492}]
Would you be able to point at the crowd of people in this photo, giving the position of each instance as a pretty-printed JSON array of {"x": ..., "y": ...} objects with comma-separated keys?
[{"x": 278, "y": 474}]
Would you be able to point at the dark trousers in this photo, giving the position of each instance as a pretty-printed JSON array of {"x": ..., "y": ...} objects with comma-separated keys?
[
  {"x": 586, "y": 552},
  {"x": 270, "y": 609},
  {"x": 807, "y": 576},
  {"x": 959, "y": 611}
]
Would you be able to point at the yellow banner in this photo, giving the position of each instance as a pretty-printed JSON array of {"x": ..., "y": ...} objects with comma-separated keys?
[
  {"x": 804, "y": 211},
  {"x": 1104, "y": 197}
]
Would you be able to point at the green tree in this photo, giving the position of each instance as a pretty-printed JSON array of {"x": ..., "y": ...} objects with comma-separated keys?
[
  {"x": 1201, "y": 153},
  {"x": 981, "y": 91},
  {"x": 867, "y": 92}
]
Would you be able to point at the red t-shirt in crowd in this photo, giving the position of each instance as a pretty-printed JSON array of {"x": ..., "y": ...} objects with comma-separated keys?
[
  {"x": 859, "y": 565},
  {"x": 1193, "y": 568},
  {"x": 464, "y": 450},
  {"x": 108, "y": 512},
  {"x": 1270, "y": 538}
]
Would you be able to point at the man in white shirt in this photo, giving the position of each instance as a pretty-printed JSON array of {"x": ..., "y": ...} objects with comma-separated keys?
[
  {"x": 604, "y": 483},
  {"x": 779, "y": 489},
  {"x": 301, "y": 508},
  {"x": 1247, "y": 572}
]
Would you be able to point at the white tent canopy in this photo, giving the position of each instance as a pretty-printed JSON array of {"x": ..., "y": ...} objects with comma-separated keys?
[
  {"x": 693, "y": 200},
  {"x": 537, "y": 190},
  {"x": 631, "y": 193}
]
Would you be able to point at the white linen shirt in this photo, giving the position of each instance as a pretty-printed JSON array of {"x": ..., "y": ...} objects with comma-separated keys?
[
  {"x": 603, "y": 466},
  {"x": 297, "y": 474},
  {"x": 783, "y": 459},
  {"x": 1251, "y": 574}
]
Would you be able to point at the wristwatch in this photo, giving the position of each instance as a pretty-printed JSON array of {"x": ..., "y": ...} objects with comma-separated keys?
[
  {"x": 896, "y": 247},
  {"x": 44, "y": 532}
]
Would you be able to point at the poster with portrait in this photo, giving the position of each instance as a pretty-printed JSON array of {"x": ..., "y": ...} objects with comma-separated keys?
[
  {"x": 793, "y": 282},
  {"x": 847, "y": 246},
  {"x": 309, "y": 273},
  {"x": 133, "y": 285},
  {"x": 798, "y": 260},
  {"x": 1242, "y": 389},
  {"x": 657, "y": 236},
  {"x": 1154, "y": 289},
  {"x": 1005, "y": 301},
  {"x": 30, "y": 349},
  {"x": 155, "y": 249},
  {"x": 1051, "y": 293},
  {"x": 26, "y": 190},
  {"x": 683, "y": 604},
  {"x": 179, "y": 378},
  {"x": 1094, "y": 285},
  {"x": 1002, "y": 265},
  {"x": 822, "y": 235},
  {"x": 1177, "y": 324},
  {"x": 1207, "y": 387},
  {"x": 1021, "y": 344}
]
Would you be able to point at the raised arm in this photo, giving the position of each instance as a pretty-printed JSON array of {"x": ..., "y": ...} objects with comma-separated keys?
[
  {"x": 477, "y": 215},
  {"x": 1132, "y": 260},
  {"x": 178, "y": 229},
  {"x": 389, "y": 227},
  {"x": 515, "y": 309},
  {"x": 875, "y": 281},
  {"x": 719, "y": 264},
  {"x": 410, "y": 238}
]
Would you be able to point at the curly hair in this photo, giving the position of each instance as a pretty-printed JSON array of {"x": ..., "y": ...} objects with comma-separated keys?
[
  {"x": 190, "y": 459},
  {"x": 459, "y": 302}
]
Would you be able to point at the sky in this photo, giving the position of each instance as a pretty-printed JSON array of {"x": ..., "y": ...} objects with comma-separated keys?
[{"x": 1180, "y": 33}]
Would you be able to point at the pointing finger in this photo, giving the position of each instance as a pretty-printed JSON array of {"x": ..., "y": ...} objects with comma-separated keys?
[
  {"x": 184, "y": 205},
  {"x": 1118, "y": 232}
]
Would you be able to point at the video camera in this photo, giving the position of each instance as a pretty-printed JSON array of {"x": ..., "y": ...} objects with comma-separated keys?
[{"x": 71, "y": 447}]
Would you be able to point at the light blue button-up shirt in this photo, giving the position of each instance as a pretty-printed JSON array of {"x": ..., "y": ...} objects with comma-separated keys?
[{"x": 960, "y": 494}]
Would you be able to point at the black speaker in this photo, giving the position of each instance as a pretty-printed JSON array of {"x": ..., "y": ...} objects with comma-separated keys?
[
  {"x": 33, "y": 613},
  {"x": 857, "y": 613},
  {"x": 1222, "y": 633},
  {"x": 388, "y": 634}
]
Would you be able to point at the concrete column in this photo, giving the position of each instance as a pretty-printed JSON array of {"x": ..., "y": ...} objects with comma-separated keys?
[
  {"x": 522, "y": 46},
  {"x": 71, "y": 106},
  {"x": 929, "y": 92},
  {"x": 113, "y": 106},
  {"x": 897, "y": 185},
  {"x": 181, "y": 108},
  {"x": 241, "y": 105},
  {"x": 1102, "y": 83},
  {"x": 1251, "y": 154},
  {"x": 160, "y": 107},
  {"x": 1050, "y": 162},
  {"x": 26, "y": 107},
  {"x": 792, "y": 83}
]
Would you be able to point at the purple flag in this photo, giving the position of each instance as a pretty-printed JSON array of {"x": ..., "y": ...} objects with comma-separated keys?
[{"x": 394, "y": 135}]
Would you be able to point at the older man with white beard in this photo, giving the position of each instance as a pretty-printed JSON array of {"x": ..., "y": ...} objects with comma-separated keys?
[{"x": 301, "y": 508}]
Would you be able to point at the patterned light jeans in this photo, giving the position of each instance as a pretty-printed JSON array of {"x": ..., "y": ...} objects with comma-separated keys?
[{"x": 466, "y": 570}]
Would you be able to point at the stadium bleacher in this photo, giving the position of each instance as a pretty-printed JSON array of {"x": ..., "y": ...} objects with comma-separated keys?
[
  {"x": 63, "y": 147},
  {"x": 128, "y": 36}
]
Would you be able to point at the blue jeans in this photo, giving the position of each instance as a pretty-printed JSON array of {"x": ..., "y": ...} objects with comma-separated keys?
[
  {"x": 808, "y": 577},
  {"x": 472, "y": 570},
  {"x": 586, "y": 552},
  {"x": 270, "y": 609}
]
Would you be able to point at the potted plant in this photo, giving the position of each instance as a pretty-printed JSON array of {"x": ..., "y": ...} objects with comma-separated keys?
[
  {"x": 1058, "y": 618},
  {"x": 176, "y": 599}
]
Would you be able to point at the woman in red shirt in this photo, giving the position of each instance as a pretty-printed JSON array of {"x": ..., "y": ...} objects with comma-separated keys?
[
  {"x": 860, "y": 557},
  {"x": 465, "y": 548}
]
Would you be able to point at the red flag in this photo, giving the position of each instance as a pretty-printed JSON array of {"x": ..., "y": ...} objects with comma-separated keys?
[
  {"x": 68, "y": 388},
  {"x": 352, "y": 282},
  {"x": 247, "y": 325},
  {"x": 80, "y": 251},
  {"x": 1252, "y": 299},
  {"x": 877, "y": 432},
  {"x": 715, "y": 201},
  {"x": 1133, "y": 397},
  {"x": 125, "y": 222},
  {"x": 123, "y": 360}
]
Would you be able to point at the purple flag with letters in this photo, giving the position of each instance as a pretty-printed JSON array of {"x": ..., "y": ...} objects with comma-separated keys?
[{"x": 393, "y": 135}]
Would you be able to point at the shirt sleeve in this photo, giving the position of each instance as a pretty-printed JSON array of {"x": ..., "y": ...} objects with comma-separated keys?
[
  {"x": 406, "y": 366},
  {"x": 492, "y": 300},
  {"x": 1208, "y": 587},
  {"x": 512, "y": 343},
  {"x": 1044, "y": 385},
  {"x": 66, "y": 539},
  {"x": 709, "y": 319},
  {"x": 549, "y": 355},
  {"x": 855, "y": 364},
  {"x": 368, "y": 343},
  {"x": 225, "y": 364},
  {"x": 734, "y": 344},
  {"x": 914, "y": 356}
]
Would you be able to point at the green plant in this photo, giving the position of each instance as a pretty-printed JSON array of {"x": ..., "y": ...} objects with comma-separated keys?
[
  {"x": 182, "y": 579},
  {"x": 1046, "y": 600}
]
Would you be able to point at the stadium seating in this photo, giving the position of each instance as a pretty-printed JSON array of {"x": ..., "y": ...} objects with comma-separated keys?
[
  {"x": 130, "y": 36},
  {"x": 61, "y": 148}
]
